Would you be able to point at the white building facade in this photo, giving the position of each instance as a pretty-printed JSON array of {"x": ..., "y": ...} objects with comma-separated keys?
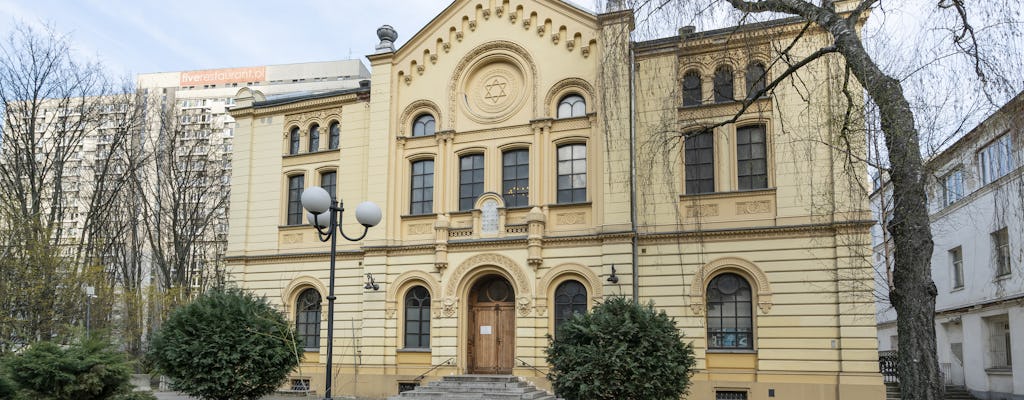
[{"x": 976, "y": 204}]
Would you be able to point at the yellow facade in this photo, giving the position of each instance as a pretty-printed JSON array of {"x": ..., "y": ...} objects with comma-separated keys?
[{"x": 492, "y": 75}]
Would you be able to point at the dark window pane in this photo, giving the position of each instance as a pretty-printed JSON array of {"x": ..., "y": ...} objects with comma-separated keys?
[
  {"x": 751, "y": 157},
  {"x": 471, "y": 180},
  {"x": 755, "y": 78},
  {"x": 417, "y": 318},
  {"x": 570, "y": 298},
  {"x": 422, "y": 192},
  {"x": 691, "y": 89},
  {"x": 700, "y": 162},
  {"x": 307, "y": 319},
  {"x": 723, "y": 84},
  {"x": 295, "y": 185},
  {"x": 293, "y": 141},
  {"x": 314, "y": 138},
  {"x": 572, "y": 173},
  {"x": 335, "y": 136},
  {"x": 729, "y": 312}
]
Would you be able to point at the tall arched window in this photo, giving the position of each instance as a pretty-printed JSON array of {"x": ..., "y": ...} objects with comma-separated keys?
[
  {"x": 417, "y": 318},
  {"x": 570, "y": 298},
  {"x": 730, "y": 323},
  {"x": 335, "y": 136},
  {"x": 755, "y": 78},
  {"x": 691, "y": 89},
  {"x": 307, "y": 319},
  {"x": 424, "y": 125},
  {"x": 293, "y": 141},
  {"x": 572, "y": 105},
  {"x": 723, "y": 84},
  {"x": 314, "y": 138}
]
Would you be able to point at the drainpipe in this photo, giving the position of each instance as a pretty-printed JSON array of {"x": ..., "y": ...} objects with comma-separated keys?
[{"x": 632, "y": 173}]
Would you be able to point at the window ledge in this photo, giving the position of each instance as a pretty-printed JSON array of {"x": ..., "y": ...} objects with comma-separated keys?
[
  {"x": 311, "y": 350},
  {"x": 731, "y": 351},
  {"x": 727, "y": 194},
  {"x": 420, "y": 216},
  {"x": 294, "y": 227},
  {"x": 413, "y": 350},
  {"x": 999, "y": 371},
  {"x": 957, "y": 289},
  {"x": 568, "y": 205},
  {"x": 1003, "y": 277}
]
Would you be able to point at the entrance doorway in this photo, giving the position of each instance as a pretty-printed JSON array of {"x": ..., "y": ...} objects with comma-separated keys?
[{"x": 491, "y": 339}]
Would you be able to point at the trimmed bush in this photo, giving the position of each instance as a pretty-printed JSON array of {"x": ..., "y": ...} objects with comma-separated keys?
[
  {"x": 619, "y": 351},
  {"x": 82, "y": 371},
  {"x": 227, "y": 344}
]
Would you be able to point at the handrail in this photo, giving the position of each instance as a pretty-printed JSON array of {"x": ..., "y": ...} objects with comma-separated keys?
[
  {"x": 525, "y": 364},
  {"x": 445, "y": 362}
]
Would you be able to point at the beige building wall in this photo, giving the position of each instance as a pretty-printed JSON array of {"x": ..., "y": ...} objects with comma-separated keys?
[{"x": 492, "y": 75}]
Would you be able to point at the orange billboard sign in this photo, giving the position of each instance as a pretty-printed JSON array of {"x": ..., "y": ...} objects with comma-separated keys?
[{"x": 226, "y": 75}]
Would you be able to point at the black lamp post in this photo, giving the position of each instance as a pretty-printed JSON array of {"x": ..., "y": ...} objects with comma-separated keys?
[{"x": 325, "y": 215}]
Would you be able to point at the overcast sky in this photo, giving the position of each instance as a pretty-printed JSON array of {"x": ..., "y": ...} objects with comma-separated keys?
[{"x": 139, "y": 36}]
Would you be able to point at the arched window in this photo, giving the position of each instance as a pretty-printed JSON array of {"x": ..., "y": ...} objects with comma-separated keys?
[
  {"x": 570, "y": 298},
  {"x": 293, "y": 141},
  {"x": 572, "y": 105},
  {"x": 755, "y": 78},
  {"x": 314, "y": 138},
  {"x": 307, "y": 319},
  {"x": 424, "y": 125},
  {"x": 730, "y": 324},
  {"x": 723, "y": 84},
  {"x": 691, "y": 89},
  {"x": 335, "y": 136},
  {"x": 417, "y": 318}
]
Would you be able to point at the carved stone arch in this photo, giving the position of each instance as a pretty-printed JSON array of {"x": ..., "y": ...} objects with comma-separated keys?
[
  {"x": 730, "y": 264},
  {"x": 289, "y": 125},
  {"x": 587, "y": 277},
  {"x": 561, "y": 88},
  {"x": 291, "y": 291},
  {"x": 414, "y": 110},
  {"x": 508, "y": 51},
  {"x": 457, "y": 279},
  {"x": 467, "y": 272},
  {"x": 489, "y": 196},
  {"x": 402, "y": 283}
]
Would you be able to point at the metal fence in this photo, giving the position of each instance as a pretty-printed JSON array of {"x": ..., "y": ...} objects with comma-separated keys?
[{"x": 888, "y": 366}]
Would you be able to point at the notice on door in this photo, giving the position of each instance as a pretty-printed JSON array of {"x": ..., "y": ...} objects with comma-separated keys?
[{"x": 485, "y": 329}]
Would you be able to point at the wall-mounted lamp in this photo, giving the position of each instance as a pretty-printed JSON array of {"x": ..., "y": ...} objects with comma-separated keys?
[
  {"x": 370, "y": 283},
  {"x": 613, "y": 278}
]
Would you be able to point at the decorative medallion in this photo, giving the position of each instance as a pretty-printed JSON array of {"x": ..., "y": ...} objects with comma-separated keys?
[{"x": 494, "y": 90}]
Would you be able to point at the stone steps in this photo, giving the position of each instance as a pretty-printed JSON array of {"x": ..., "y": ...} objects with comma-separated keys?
[{"x": 477, "y": 387}]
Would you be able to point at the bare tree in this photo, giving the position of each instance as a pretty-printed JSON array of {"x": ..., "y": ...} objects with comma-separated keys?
[
  {"x": 50, "y": 103},
  {"x": 891, "y": 111},
  {"x": 184, "y": 197}
]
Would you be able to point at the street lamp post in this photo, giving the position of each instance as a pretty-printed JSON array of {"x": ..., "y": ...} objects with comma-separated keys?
[
  {"x": 325, "y": 215},
  {"x": 90, "y": 292}
]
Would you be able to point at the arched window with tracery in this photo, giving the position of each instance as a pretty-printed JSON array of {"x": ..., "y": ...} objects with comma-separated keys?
[
  {"x": 572, "y": 105},
  {"x": 335, "y": 136},
  {"x": 307, "y": 319},
  {"x": 723, "y": 84},
  {"x": 314, "y": 138},
  {"x": 417, "y": 318},
  {"x": 730, "y": 319},
  {"x": 692, "y": 95},
  {"x": 755, "y": 78},
  {"x": 570, "y": 298},
  {"x": 293, "y": 141},
  {"x": 424, "y": 125}
]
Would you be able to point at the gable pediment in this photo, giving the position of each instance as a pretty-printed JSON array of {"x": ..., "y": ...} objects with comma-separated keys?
[{"x": 466, "y": 24}]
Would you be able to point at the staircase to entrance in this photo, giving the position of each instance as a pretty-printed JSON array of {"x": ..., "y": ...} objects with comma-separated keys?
[
  {"x": 477, "y": 387},
  {"x": 892, "y": 392}
]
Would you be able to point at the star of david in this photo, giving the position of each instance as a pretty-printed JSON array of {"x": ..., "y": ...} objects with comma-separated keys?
[{"x": 495, "y": 91}]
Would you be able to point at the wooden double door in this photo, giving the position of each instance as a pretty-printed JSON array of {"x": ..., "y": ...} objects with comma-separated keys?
[{"x": 492, "y": 330}]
